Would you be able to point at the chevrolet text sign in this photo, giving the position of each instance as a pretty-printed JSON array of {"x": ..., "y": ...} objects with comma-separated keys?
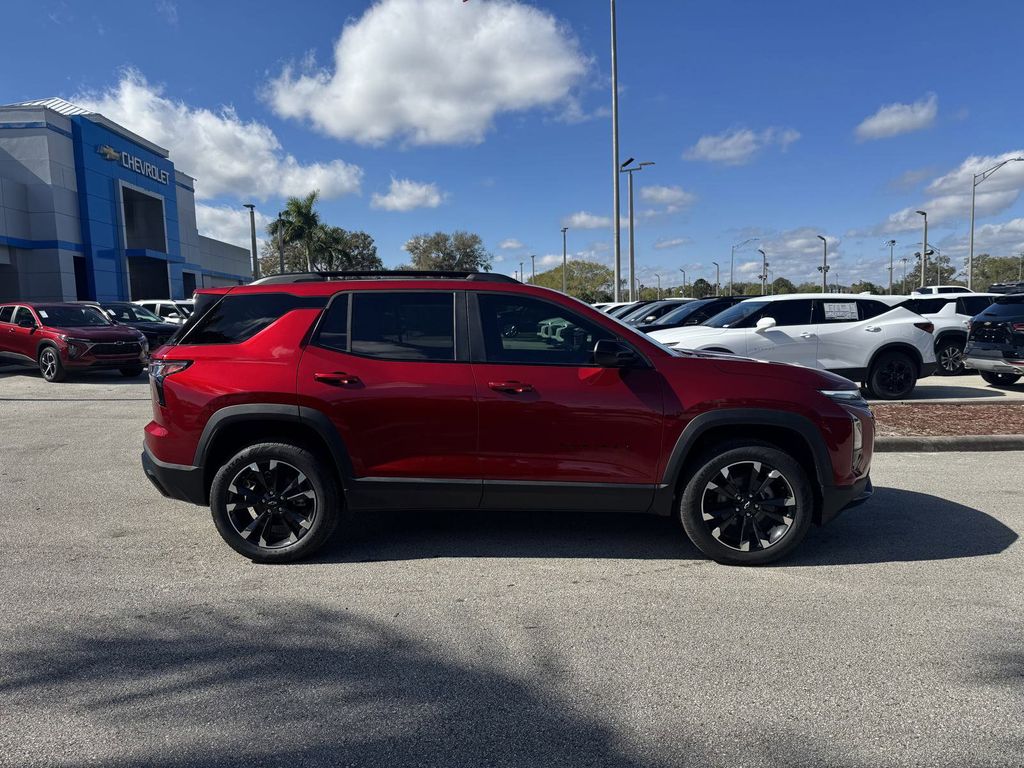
[{"x": 133, "y": 163}]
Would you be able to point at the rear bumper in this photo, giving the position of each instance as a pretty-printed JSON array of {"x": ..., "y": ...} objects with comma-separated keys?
[
  {"x": 837, "y": 498},
  {"x": 175, "y": 481},
  {"x": 995, "y": 365}
]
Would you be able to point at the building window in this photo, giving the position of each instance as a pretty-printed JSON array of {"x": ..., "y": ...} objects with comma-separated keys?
[{"x": 143, "y": 221}]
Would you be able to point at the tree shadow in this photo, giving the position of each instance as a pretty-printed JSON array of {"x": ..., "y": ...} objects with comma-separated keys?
[{"x": 894, "y": 526}]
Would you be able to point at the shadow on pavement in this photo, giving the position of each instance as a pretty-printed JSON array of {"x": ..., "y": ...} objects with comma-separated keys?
[
  {"x": 901, "y": 526},
  {"x": 895, "y": 526}
]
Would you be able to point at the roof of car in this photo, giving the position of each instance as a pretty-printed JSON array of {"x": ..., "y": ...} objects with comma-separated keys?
[{"x": 832, "y": 297}]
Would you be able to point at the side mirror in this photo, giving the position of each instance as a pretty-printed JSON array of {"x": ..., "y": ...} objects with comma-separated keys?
[
  {"x": 27, "y": 322},
  {"x": 609, "y": 353},
  {"x": 765, "y": 323}
]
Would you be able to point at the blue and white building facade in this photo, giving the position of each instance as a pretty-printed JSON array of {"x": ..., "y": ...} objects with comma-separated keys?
[{"x": 89, "y": 210}]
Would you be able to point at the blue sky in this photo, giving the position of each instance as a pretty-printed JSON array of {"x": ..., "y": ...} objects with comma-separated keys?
[{"x": 771, "y": 120}]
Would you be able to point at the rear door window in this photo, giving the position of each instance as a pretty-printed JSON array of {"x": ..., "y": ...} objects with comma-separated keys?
[
  {"x": 407, "y": 325},
  {"x": 6, "y": 313},
  {"x": 788, "y": 312},
  {"x": 973, "y": 305}
]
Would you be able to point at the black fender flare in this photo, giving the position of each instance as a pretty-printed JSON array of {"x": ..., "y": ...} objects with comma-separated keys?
[
  {"x": 959, "y": 336},
  {"x": 45, "y": 343}
]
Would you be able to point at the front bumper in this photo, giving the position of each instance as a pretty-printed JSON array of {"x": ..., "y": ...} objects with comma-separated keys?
[
  {"x": 837, "y": 498},
  {"x": 175, "y": 481}
]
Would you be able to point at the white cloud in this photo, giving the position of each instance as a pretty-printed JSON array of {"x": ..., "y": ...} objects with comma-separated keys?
[
  {"x": 739, "y": 145},
  {"x": 511, "y": 244},
  {"x": 998, "y": 239},
  {"x": 587, "y": 220},
  {"x": 230, "y": 224},
  {"x": 673, "y": 198},
  {"x": 168, "y": 10},
  {"x": 405, "y": 195},
  {"x": 228, "y": 155},
  {"x": 433, "y": 72},
  {"x": 895, "y": 119},
  {"x": 669, "y": 243}
]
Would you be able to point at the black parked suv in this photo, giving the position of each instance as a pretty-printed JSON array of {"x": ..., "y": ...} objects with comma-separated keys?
[
  {"x": 156, "y": 331},
  {"x": 995, "y": 344},
  {"x": 692, "y": 313}
]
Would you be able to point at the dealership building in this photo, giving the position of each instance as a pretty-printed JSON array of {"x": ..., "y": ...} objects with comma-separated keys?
[{"x": 90, "y": 210}]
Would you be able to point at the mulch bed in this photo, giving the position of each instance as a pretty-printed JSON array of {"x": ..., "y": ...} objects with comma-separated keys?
[{"x": 934, "y": 419}]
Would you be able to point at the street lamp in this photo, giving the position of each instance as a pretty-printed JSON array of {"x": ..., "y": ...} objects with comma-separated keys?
[
  {"x": 732, "y": 259},
  {"x": 522, "y": 274},
  {"x": 533, "y": 267},
  {"x": 252, "y": 232},
  {"x": 771, "y": 280},
  {"x": 824, "y": 264},
  {"x": 978, "y": 178},
  {"x": 924, "y": 247},
  {"x": 764, "y": 270},
  {"x": 632, "y": 254},
  {"x": 617, "y": 225},
  {"x": 684, "y": 277},
  {"x": 659, "y": 286},
  {"x": 280, "y": 239},
  {"x": 892, "y": 248},
  {"x": 564, "y": 230},
  {"x": 904, "y": 261},
  {"x": 717, "y": 276}
]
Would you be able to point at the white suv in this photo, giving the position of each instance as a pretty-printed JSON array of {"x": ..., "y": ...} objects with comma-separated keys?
[
  {"x": 950, "y": 314},
  {"x": 868, "y": 339},
  {"x": 169, "y": 310}
]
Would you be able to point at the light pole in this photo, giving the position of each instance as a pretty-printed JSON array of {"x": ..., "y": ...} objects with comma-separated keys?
[
  {"x": 718, "y": 272},
  {"x": 771, "y": 280},
  {"x": 732, "y": 260},
  {"x": 824, "y": 264},
  {"x": 978, "y": 178},
  {"x": 632, "y": 253},
  {"x": 522, "y": 275},
  {"x": 252, "y": 232},
  {"x": 764, "y": 271},
  {"x": 280, "y": 239},
  {"x": 533, "y": 267},
  {"x": 659, "y": 286},
  {"x": 892, "y": 249},
  {"x": 1020, "y": 269},
  {"x": 904, "y": 261},
  {"x": 564, "y": 230},
  {"x": 616, "y": 225},
  {"x": 684, "y": 278},
  {"x": 924, "y": 247}
]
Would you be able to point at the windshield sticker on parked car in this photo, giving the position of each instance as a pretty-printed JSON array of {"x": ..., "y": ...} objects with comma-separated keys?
[
  {"x": 42, "y": 313},
  {"x": 846, "y": 310}
]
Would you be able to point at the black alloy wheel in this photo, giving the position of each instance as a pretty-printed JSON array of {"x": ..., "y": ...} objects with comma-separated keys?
[
  {"x": 893, "y": 376},
  {"x": 1000, "y": 379}
]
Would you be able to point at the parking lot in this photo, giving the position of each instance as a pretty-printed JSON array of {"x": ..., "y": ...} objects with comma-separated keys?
[{"x": 131, "y": 635}]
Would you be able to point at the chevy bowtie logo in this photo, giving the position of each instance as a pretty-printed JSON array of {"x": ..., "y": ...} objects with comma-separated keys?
[{"x": 108, "y": 152}]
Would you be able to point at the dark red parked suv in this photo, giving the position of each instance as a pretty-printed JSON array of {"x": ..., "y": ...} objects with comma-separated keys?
[
  {"x": 59, "y": 338},
  {"x": 286, "y": 401}
]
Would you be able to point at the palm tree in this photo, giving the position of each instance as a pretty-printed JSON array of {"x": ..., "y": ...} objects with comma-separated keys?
[{"x": 301, "y": 223}]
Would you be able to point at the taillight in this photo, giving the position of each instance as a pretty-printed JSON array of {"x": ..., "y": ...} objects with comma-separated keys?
[
  {"x": 1017, "y": 327},
  {"x": 926, "y": 327},
  {"x": 160, "y": 370}
]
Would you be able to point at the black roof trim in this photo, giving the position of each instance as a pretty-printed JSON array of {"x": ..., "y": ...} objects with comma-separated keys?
[{"x": 386, "y": 274}]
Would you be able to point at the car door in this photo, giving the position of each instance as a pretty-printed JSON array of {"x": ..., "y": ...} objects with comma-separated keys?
[
  {"x": 22, "y": 340},
  {"x": 793, "y": 339},
  {"x": 391, "y": 372},
  {"x": 848, "y": 334},
  {"x": 556, "y": 430},
  {"x": 7, "y": 337}
]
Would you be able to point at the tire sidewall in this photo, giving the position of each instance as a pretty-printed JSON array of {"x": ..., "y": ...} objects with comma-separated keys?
[
  {"x": 690, "y": 504},
  {"x": 938, "y": 358},
  {"x": 60, "y": 372},
  {"x": 324, "y": 487},
  {"x": 996, "y": 380},
  {"x": 876, "y": 370}
]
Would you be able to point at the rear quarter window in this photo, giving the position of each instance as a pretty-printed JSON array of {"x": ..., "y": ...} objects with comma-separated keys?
[
  {"x": 6, "y": 313},
  {"x": 238, "y": 318}
]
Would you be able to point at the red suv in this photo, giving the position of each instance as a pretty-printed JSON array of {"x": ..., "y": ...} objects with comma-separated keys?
[
  {"x": 286, "y": 401},
  {"x": 59, "y": 338}
]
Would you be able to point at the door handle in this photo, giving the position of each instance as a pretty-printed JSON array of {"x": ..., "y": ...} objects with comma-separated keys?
[
  {"x": 512, "y": 387},
  {"x": 339, "y": 378},
  {"x": 806, "y": 335},
  {"x": 873, "y": 328}
]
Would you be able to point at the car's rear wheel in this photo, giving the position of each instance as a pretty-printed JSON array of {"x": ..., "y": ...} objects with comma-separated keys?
[
  {"x": 893, "y": 376},
  {"x": 131, "y": 371},
  {"x": 275, "y": 502},
  {"x": 747, "y": 504},
  {"x": 1000, "y": 379},
  {"x": 50, "y": 365},
  {"x": 950, "y": 357}
]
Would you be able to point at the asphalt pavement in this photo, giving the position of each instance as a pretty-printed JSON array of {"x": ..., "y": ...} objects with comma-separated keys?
[{"x": 130, "y": 635}]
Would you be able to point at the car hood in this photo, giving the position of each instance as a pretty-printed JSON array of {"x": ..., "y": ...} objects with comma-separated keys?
[
  {"x": 689, "y": 335},
  {"x": 734, "y": 365},
  {"x": 98, "y": 334}
]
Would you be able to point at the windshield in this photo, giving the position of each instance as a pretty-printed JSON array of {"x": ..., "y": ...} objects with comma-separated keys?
[
  {"x": 681, "y": 313},
  {"x": 186, "y": 309},
  {"x": 71, "y": 317},
  {"x": 735, "y": 314},
  {"x": 126, "y": 313}
]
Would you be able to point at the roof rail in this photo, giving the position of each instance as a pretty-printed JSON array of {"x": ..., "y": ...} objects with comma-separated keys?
[{"x": 382, "y": 274}]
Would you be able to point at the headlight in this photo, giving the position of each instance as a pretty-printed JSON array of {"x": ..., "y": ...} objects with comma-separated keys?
[
  {"x": 847, "y": 396},
  {"x": 76, "y": 347}
]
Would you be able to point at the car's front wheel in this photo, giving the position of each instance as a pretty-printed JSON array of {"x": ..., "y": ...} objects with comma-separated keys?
[
  {"x": 50, "y": 365},
  {"x": 1000, "y": 379},
  {"x": 747, "y": 504},
  {"x": 275, "y": 502},
  {"x": 893, "y": 376},
  {"x": 950, "y": 357}
]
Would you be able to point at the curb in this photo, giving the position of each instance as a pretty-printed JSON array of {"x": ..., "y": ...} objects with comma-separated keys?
[
  {"x": 953, "y": 401},
  {"x": 950, "y": 443}
]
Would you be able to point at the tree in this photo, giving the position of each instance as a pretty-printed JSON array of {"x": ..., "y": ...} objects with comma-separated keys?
[
  {"x": 701, "y": 289},
  {"x": 459, "y": 251},
  {"x": 338, "y": 250},
  {"x": 808, "y": 288},
  {"x": 939, "y": 268},
  {"x": 301, "y": 223},
  {"x": 996, "y": 269},
  {"x": 866, "y": 286},
  {"x": 588, "y": 281},
  {"x": 270, "y": 260},
  {"x": 782, "y": 286}
]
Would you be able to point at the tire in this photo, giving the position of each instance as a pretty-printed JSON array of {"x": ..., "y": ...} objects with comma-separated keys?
[
  {"x": 50, "y": 365},
  {"x": 1000, "y": 379},
  {"x": 704, "y": 503},
  {"x": 893, "y": 376},
  {"x": 131, "y": 371},
  {"x": 270, "y": 528},
  {"x": 949, "y": 354}
]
